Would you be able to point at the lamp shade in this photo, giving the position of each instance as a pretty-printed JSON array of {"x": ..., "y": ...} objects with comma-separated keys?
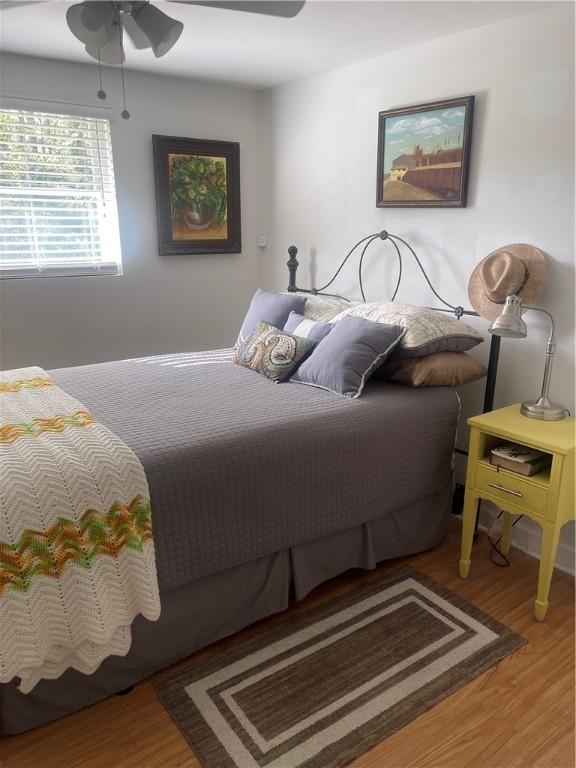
[
  {"x": 135, "y": 34},
  {"x": 112, "y": 52},
  {"x": 90, "y": 22},
  {"x": 509, "y": 322},
  {"x": 161, "y": 30}
]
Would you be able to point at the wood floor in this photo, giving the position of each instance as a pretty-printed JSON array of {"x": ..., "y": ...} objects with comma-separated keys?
[{"x": 519, "y": 714}]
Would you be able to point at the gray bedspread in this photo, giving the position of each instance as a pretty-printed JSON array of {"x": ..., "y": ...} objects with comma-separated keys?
[{"x": 240, "y": 467}]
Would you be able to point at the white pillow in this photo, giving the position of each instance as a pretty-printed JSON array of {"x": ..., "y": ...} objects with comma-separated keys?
[{"x": 323, "y": 308}]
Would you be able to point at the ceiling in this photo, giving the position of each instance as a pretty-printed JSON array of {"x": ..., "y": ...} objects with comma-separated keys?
[{"x": 264, "y": 51}]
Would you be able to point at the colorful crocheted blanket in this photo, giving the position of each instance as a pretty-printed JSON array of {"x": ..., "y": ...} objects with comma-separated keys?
[{"x": 77, "y": 558}]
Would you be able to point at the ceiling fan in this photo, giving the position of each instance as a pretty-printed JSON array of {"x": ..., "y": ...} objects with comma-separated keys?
[{"x": 100, "y": 24}]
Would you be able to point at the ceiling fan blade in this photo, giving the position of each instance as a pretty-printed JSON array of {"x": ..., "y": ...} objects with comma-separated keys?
[{"x": 285, "y": 8}]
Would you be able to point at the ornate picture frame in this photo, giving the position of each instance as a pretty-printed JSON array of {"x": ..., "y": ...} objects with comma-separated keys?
[{"x": 197, "y": 195}]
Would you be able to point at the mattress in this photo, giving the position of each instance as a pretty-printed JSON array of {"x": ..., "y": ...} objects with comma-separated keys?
[{"x": 240, "y": 467}]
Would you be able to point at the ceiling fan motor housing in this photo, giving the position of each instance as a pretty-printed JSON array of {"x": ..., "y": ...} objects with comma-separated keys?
[{"x": 100, "y": 26}]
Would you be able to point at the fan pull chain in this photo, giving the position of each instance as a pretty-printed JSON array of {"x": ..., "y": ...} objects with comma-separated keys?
[
  {"x": 101, "y": 92},
  {"x": 125, "y": 114}
]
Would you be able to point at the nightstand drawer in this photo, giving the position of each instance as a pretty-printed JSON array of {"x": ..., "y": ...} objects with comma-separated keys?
[{"x": 515, "y": 489}]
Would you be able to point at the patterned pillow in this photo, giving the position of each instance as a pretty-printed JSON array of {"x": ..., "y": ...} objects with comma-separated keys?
[
  {"x": 302, "y": 326},
  {"x": 427, "y": 330},
  {"x": 272, "y": 352}
]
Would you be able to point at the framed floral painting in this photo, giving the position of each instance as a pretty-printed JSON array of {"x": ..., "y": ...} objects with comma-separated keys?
[
  {"x": 424, "y": 155},
  {"x": 197, "y": 195}
]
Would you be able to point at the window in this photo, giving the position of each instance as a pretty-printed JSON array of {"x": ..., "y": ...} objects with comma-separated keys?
[{"x": 58, "y": 212}]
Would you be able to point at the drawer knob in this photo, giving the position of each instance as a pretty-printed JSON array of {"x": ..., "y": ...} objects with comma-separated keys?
[{"x": 506, "y": 490}]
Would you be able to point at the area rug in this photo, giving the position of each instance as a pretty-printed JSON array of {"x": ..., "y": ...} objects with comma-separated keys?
[{"x": 317, "y": 688}]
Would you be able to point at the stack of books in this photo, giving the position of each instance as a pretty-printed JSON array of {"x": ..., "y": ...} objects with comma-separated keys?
[{"x": 520, "y": 459}]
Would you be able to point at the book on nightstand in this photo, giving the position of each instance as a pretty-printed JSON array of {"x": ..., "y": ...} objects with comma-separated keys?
[{"x": 520, "y": 459}]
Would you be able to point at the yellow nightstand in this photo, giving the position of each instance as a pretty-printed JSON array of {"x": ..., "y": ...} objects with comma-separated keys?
[{"x": 547, "y": 497}]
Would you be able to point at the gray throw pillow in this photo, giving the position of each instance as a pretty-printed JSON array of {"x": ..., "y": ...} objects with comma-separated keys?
[
  {"x": 344, "y": 360},
  {"x": 269, "y": 307},
  {"x": 272, "y": 352},
  {"x": 306, "y": 328}
]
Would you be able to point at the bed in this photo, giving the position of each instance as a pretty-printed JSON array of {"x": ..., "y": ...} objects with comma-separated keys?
[{"x": 260, "y": 492}]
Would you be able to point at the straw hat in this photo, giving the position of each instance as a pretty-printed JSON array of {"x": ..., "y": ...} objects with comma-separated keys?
[{"x": 513, "y": 269}]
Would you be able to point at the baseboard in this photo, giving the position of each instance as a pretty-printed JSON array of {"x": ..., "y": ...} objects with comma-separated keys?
[{"x": 526, "y": 537}]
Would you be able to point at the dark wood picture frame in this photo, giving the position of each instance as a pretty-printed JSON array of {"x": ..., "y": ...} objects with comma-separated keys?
[
  {"x": 164, "y": 146},
  {"x": 456, "y": 195}
]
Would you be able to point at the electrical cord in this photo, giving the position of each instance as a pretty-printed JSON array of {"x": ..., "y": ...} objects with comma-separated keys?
[{"x": 495, "y": 550}]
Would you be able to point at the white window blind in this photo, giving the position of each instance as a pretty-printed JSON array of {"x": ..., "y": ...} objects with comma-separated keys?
[{"x": 58, "y": 213}]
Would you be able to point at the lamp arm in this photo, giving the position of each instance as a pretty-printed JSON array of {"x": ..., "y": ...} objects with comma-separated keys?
[
  {"x": 548, "y": 315},
  {"x": 550, "y": 351}
]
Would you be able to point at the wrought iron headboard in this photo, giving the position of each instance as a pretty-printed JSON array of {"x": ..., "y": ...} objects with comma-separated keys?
[{"x": 395, "y": 240}]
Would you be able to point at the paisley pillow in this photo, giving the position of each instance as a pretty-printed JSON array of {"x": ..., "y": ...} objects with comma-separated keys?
[{"x": 272, "y": 352}]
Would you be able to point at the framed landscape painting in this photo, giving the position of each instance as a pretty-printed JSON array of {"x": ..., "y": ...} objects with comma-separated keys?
[
  {"x": 424, "y": 154},
  {"x": 197, "y": 195}
]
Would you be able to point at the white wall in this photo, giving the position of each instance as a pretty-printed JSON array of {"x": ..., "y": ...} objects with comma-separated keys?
[
  {"x": 324, "y": 136},
  {"x": 160, "y": 304}
]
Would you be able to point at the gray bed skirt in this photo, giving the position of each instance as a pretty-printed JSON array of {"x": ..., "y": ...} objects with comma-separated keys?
[{"x": 210, "y": 608}]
